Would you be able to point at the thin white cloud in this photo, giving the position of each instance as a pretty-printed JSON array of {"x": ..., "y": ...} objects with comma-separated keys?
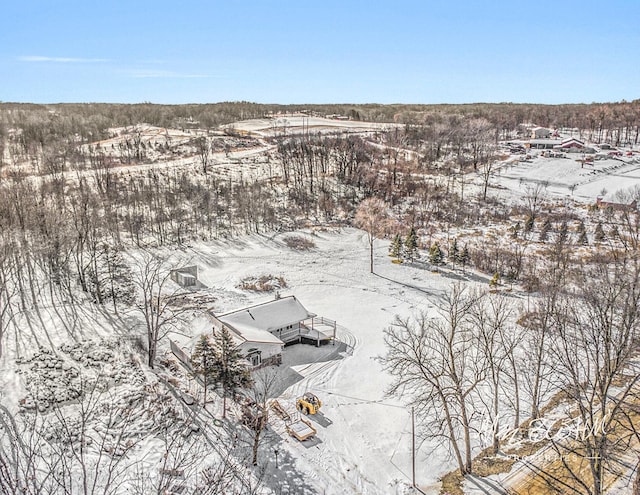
[
  {"x": 61, "y": 60},
  {"x": 146, "y": 74}
]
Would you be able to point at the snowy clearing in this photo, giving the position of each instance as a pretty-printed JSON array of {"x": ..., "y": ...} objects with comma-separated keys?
[{"x": 363, "y": 442}]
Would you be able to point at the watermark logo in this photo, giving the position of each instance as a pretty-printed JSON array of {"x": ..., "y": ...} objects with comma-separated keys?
[{"x": 544, "y": 429}]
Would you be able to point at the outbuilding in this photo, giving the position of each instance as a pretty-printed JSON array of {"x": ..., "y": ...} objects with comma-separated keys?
[{"x": 540, "y": 133}]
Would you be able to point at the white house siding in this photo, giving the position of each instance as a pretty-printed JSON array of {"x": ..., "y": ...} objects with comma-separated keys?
[{"x": 267, "y": 351}]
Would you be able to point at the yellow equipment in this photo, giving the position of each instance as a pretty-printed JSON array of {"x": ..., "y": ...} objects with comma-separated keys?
[{"x": 308, "y": 403}]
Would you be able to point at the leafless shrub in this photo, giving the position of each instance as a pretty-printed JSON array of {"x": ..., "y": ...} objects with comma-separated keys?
[
  {"x": 299, "y": 243},
  {"x": 263, "y": 283}
]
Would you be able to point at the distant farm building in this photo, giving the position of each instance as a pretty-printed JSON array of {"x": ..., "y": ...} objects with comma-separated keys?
[
  {"x": 543, "y": 144},
  {"x": 573, "y": 145},
  {"x": 540, "y": 133},
  {"x": 185, "y": 277},
  {"x": 263, "y": 330},
  {"x": 610, "y": 201}
]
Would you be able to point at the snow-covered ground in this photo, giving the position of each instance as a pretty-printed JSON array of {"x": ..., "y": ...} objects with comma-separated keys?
[
  {"x": 568, "y": 177},
  {"x": 363, "y": 442},
  {"x": 300, "y": 123}
]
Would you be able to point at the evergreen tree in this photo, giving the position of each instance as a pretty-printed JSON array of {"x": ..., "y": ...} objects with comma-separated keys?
[
  {"x": 614, "y": 233},
  {"x": 464, "y": 257},
  {"x": 395, "y": 249},
  {"x": 563, "y": 233},
  {"x": 510, "y": 278},
  {"x": 515, "y": 230},
  {"x": 121, "y": 287},
  {"x": 435, "y": 254},
  {"x": 583, "y": 239},
  {"x": 454, "y": 252},
  {"x": 411, "y": 245},
  {"x": 231, "y": 370},
  {"x": 529, "y": 223},
  {"x": 544, "y": 232},
  {"x": 109, "y": 278},
  {"x": 599, "y": 233},
  {"x": 204, "y": 363}
]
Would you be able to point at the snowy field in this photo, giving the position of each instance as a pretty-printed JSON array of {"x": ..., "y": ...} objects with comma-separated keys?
[
  {"x": 567, "y": 177},
  {"x": 299, "y": 123}
]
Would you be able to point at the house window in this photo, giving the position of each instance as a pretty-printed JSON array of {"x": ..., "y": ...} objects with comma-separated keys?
[{"x": 254, "y": 356}]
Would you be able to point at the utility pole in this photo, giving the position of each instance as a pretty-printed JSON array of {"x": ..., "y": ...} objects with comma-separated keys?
[{"x": 413, "y": 447}]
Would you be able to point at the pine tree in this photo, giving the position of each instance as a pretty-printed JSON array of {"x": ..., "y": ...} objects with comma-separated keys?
[
  {"x": 544, "y": 232},
  {"x": 435, "y": 254},
  {"x": 411, "y": 245},
  {"x": 231, "y": 370},
  {"x": 515, "y": 230},
  {"x": 454, "y": 252},
  {"x": 204, "y": 363},
  {"x": 529, "y": 223},
  {"x": 395, "y": 249},
  {"x": 614, "y": 233},
  {"x": 563, "y": 233},
  {"x": 121, "y": 284},
  {"x": 599, "y": 233},
  {"x": 464, "y": 257},
  {"x": 583, "y": 239},
  {"x": 510, "y": 278}
]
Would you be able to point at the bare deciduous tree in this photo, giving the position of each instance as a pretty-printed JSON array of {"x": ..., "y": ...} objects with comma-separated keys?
[
  {"x": 596, "y": 352},
  {"x": 7, "y": 291},
  {"x": 491, "y": 315},
  {"x": 434, "y": 364},
  {"x": 256, "y": 407},
  {"x": 156, "y": 304},
  {"x": 372, "y": 217},
  {"x": 203, "y": 148}
]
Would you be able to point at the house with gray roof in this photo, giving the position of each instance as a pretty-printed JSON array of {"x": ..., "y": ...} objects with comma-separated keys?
[{"x": 263, "y": 330}]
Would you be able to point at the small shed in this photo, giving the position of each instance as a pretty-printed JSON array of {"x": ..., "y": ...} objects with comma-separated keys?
[{"x": 185, "y": 277}]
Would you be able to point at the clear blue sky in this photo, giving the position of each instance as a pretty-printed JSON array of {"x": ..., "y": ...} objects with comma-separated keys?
[{"x": 324, "y": 51}]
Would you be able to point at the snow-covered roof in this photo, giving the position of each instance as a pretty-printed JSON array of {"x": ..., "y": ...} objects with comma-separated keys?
[
  {"x": 248, "y": 334},
  {"x": 256, "y": 322},
  {"x": 545, "y": 141},
  {"x": 572, "y": 140}
]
